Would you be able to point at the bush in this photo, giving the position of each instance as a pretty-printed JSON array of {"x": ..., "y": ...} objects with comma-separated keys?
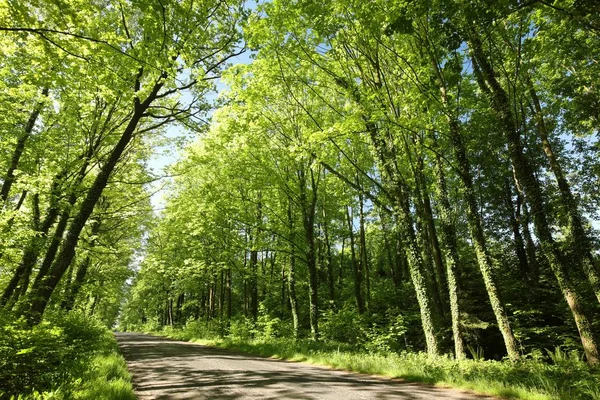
[
  {"x": 57, "y": 350},
  {"x": 388, "y": 335},
  {"x": 241, "y": 328},
  {"x": 67, "y": 356},
  {"x": 345, "y": 325}
]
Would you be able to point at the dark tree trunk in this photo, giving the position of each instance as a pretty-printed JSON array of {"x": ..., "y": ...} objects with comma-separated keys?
[
  {"x": 519, "y": 243},
  {"x": 308, "y": 219},
  {"x": 292, "y": 273},
  {"x": 9, "y": 177},
  {"x": 364, "y": 257},
  {"x": 330, "y": 272},
  {"x": 82, "y": 270},
  {"x": 360, "y": 304}
]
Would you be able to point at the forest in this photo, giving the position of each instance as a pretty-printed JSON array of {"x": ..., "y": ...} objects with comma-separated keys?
[{"x": 410, "y": 178}]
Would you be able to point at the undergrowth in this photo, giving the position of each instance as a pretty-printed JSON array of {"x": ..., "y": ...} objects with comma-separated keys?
[
  {"x": 551, "y": 375},
  {"x": 68, "y": 356}
]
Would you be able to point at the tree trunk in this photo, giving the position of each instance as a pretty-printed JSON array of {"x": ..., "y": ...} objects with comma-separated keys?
[
  {"x": 480, "y": 244},
  {"x": 229, "y": 302},
  {"x": 308, "y": 218},
  {"x": 532, "y": 261},
  {"x": 292, "y": 273},
  {"x": 330, "y": 273},
  {"x": 9, "y": 178},
  {"x": 519, "y": 243},
  {"x": 581, "y": 248},
  {"x": 387, "y": 160},
  {"x": 450, "y": 250},
  {"x": 364, "y": 259},
  {"x": 82, "y": 270},
  {"x": 474, "y": 221},
  {"x": 360, "y": 304},
  {"x": 253, "y": 283},
  {"x": 20, "y": 279}
]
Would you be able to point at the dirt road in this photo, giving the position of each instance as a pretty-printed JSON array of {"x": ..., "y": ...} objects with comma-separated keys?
[{"x": 169, "y": 369}]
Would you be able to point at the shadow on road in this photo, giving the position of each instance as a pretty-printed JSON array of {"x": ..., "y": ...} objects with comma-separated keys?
[{"x": 168, "y": 369}]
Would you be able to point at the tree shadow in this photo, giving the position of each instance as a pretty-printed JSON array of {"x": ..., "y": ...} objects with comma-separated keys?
[{"x": 169, "y": 369}]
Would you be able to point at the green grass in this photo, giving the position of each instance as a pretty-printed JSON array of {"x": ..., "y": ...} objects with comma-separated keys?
[
  {"x": 564, "y": 377},
  {"x": 107, "y": 378}
]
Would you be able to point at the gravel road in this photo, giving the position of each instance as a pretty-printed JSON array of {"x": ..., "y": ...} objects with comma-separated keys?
[{"x": 169, "y": 369}]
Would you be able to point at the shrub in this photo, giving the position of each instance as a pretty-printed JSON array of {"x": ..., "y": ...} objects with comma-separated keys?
[
  {"x": 346, "y": 326},
  {"x": 56, "y": 351}
]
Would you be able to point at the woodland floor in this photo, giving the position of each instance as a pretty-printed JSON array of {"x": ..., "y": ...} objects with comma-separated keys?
[{"x": 167, "y": 369}]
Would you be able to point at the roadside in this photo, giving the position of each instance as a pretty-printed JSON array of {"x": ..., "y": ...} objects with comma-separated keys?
[
  {"x": 534, "y": 379},
  {"x": 167, "y": 369}
]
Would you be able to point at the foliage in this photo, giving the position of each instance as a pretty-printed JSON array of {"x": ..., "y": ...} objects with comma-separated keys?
[
  {"x": 67, "y": 356},
  {"x": 58, "y": 350}
]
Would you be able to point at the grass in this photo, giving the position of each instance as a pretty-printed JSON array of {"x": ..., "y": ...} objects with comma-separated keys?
[
  {"x": 107, "y": 377},
  {"x": 564, "y": 377}
]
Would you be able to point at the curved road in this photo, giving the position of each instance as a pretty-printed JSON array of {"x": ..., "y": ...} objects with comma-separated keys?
[{"x": 168, "y": 369}]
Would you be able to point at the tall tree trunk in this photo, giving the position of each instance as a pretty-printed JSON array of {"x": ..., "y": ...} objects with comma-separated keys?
[
  {"x": 386, "y": 157},
  {"x": 221, "y": 294},
  {"x": 480, "y": 244},
  {"x": 253, "y": 283},
  {"x": 20, "y": 279},
  {"x": 292, "y": 273},
  {"x": 364, "y": 257},
  {"x": 519, "y": 243},
  {"x": 82, "y": 270},
  {"x": 580, "y": 243},
  {"x": 360, "y": 304},
  {"x": 30, "y": 256},
  {"x": 478, "y": 237},
  {"x": 450, "y": 250},
  {"x": 430, "y": 237},
  {"x": 229, "y": 301},
  {"x": 330, "y": 273},
  {"x": 340, "y": 277},
  {"x": 9, "y": 177},
  {"x": 178, "y": 308},
  {"x": 533, "y": 195},
  {"x": 308, "y": 218},
  {"x": 534, "y": 269}
]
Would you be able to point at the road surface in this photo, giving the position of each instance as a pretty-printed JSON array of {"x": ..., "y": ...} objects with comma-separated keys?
[{"x": 167, "y": 369}]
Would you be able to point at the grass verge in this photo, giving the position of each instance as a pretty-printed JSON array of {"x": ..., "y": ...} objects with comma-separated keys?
[
  {"x": 107, "y": 378},
  {"x": 565, "y": 377}
]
